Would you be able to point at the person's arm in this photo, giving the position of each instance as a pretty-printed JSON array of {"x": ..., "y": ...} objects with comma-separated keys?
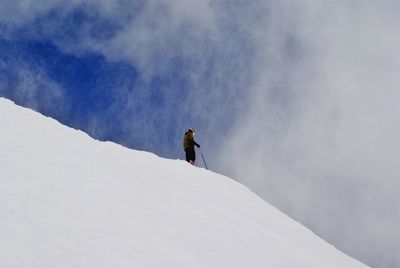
[{"x": 195, "y": 143}]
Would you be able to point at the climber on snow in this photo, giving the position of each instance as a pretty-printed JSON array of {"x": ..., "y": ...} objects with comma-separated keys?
[{"x": 188, "y": 145}]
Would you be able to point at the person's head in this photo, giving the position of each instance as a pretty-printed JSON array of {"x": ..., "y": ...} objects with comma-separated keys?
[{"x": 191, "y": 130}]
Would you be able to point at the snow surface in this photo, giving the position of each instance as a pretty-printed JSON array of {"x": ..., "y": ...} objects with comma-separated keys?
[{"x": 67, "y": 200}]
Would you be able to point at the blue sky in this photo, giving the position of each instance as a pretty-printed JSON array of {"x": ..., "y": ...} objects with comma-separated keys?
[
  {"x": 298, "y": 101},
  {"x": 113, "y": 99}
]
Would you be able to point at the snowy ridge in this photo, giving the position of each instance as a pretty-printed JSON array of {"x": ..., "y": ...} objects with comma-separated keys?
[{"x": 67, "y": 200}]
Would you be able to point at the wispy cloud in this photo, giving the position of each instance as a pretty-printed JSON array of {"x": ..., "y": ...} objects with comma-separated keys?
[{"x": 320, "y": 140}]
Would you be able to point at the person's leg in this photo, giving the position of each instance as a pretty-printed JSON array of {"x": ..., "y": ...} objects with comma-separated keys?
[
  {"x": 191, "y": 156},
  {"x": 187, "y": 154}
]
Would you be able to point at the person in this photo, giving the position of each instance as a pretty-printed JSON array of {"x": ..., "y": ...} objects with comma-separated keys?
[{"x": 188, "y": 145}]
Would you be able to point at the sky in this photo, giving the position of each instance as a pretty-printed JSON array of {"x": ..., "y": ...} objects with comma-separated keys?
[{"x": 298, "y": 101}]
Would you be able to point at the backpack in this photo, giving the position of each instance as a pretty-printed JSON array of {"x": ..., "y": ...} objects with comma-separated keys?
[{"x": 187, "y": 138}]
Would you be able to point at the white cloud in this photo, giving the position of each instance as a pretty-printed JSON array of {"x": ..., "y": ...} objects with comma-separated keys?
[
  {"x": 28, "y": 84},
  {"x": 329, "y": 133}
]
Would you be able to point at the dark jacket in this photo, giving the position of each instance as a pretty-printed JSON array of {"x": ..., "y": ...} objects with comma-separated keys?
[{"x": 188, "y": 141}]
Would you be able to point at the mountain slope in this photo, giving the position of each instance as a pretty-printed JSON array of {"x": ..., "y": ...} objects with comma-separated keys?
[{"x": 67, "y": 200}]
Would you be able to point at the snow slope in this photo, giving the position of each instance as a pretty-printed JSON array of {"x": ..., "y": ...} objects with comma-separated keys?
[{"x": 67, "y": 200}]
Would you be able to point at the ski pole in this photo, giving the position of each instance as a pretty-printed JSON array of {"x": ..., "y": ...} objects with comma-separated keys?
[{"x": 203, "y": 158}]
